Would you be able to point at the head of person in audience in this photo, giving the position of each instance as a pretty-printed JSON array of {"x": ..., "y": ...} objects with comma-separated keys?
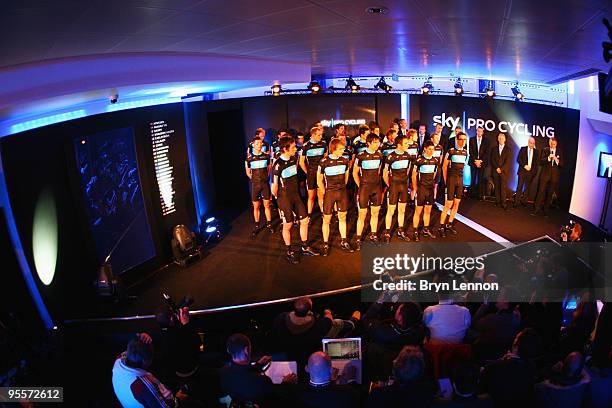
[
  {"x": 506, "y": 299},
  {"x": 139, "y": 354},
  {"x": 408, "y": 314},
  {"x": 465, "y": 379},
  {"x": 569, "y": 372},
  {"x": 302, "y": 307},
  {"x": 527, "y": 344},
  {"x": 409, "y": 365},
  {"x": 585, "y": 316},
  {"x": 239, "y": 348},
  {"x": 319, "y": 368}
]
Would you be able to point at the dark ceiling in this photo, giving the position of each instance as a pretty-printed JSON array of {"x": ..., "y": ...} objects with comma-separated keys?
[{"x": 528, "y": 40}]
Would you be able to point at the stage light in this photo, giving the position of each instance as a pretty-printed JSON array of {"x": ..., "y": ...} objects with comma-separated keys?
[
  {"x": 45, "y": 237},
  {"x": 489, "y": 90},
  {"x": 210, "y": 230},
  {"x": 210, "y": 220},
  {"x": 314, "y": 87},
  {"x": 276, "y": 90},
  {"x": 458, "y": 87},
  {"x": 427, "y": 87},
  {"x": 351, "y": 84},
  {"x": 381, "y": 84},
  {"x": 517, "y": 93}
]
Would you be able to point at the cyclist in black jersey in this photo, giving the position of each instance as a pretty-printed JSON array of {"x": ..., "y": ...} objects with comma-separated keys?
[
  {"x": 438, "y": 154},
  {"x": 312, "y": 152},
  {"x": 452, "y": 170},
  {"x": 366, "y": 173},
  {"x": 290, "y": 205},
  {"x": 360, "y": 142},
  {"x": 275, "y": 150},
  {"x": 332, "y": 176},
  {"x": 389, "y": 145},
  {"x": 423, "y": 177},
  {"x": 413, "y": 152},
  {"x": 260, "y": 134},
  {"x": 257, "y": 167},
  {"x": 395, "y": 175}
]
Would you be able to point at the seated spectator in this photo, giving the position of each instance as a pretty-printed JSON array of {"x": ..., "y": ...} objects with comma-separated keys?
[
  {"x": 576, "y": 334},
  {"x": 408, "y": 388},
  {"x": 447, "y": 322},
  {"x": 496, "y": 330},
  {"x": 600, "y": 369},
  {"x": 566, "y": 386},
  {"x": 322, "y": 390},
  {"x": 510, "y": 380},
  {"x": 300, "y": 332},
  {"x": 465, "y": 388},
  {"x": 243, "y": 381},
  {"x": 134, "y": 386},
  {"x": 388, "y": 335}
]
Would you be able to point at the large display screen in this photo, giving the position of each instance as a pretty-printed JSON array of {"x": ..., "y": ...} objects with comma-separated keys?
[
  {"x": 605, "y": 165},
  {"x": 351, "y": 110},
  {"x": 112, "y": 192}
]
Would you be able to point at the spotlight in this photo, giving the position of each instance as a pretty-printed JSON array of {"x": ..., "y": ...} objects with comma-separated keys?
[
  {"x": 489, "y": 90},
  {"x": 427, "y": 87},
  {"x": 351, "y": 84},
  {"x": 458, "y": 87},
  {"x": 517, "y": 94},
  {"x": 381, "y": 84},
  {"x": 210, "y": 220},
  {"x": 113, "y": 98},
  {"x": 314, "y": 87},
  {"x": 210, "y": 231},
  {"x": 276, "y": 90}
]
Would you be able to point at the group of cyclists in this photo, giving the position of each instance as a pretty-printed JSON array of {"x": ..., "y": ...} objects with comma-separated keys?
[{"x": 401, "y": 168}]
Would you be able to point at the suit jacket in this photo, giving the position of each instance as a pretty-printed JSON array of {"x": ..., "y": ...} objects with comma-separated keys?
[
  {"x": 502, "y": 161},
  {"x": 523, "y": 160},
  {"x": 426, "y": 137},
  {"x": 546, "y": 165},
  {"x": 482, "y": 154}
]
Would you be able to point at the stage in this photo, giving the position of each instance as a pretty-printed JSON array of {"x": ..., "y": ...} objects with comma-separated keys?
[{"x": 238, "y": 271}]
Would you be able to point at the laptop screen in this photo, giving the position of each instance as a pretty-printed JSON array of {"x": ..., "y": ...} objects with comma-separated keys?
[{"x": 343, "y": 349}]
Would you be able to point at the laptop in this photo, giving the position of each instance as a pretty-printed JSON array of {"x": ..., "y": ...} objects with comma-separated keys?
[{"x": 344, "y": 353}]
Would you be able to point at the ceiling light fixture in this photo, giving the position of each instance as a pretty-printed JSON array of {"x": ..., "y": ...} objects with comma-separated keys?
[
  {"x": 381, "y": 84},
  {"x": 276, "y": 89},
  {"x": 351, "y": 84}
]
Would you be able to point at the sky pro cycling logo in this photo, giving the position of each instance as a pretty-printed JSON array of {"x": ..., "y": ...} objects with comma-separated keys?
[{"x": 514, "y": 128}]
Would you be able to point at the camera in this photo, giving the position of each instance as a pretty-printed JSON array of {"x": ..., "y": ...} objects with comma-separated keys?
[
  {"x": 566, "y": 231},
  {"x": 174, "y": 308}
]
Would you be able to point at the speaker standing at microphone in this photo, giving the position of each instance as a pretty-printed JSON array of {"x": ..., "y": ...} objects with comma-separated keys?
[{"x": 551, "y": 162}]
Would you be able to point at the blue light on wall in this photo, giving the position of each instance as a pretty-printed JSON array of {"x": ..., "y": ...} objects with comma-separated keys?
[{"x": 47, "y": 120}]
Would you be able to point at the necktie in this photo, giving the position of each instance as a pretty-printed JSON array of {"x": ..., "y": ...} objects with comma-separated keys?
[
  {"x": 553, "y": 160},
  {"x": 478, "y": 145}
]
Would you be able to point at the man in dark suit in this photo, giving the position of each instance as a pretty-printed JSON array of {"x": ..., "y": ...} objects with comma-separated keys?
[
  {"x": 500, "y": 165},
  {"x": 527, "y": 159},
  {"x": 479, "y": 156},
  {"x": 551, "y": 161},
  {"x": 423, "y": 136},
  {"x": 403, "y": 127}
]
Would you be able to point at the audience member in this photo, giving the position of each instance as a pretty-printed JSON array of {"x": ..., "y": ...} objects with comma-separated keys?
[
  {"x": 388, "y": 335},
  {"x": 576, "y": 334},
  {"x": 323, "y": 390},
  {"x": 566, "y": 386},
  {"x": 496, "y": 329},
  {"x": 510, "y": 380},
  {"x": 446, "y": 321},
  {"x": 134, "y": 386},
  {"x": 464, "y": 380},
  {"x": 245, "y": 381},
  {"x": 408, "y": 387}
]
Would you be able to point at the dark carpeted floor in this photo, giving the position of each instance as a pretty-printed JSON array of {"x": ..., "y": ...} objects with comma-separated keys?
[{"x": 239, "y": 270}]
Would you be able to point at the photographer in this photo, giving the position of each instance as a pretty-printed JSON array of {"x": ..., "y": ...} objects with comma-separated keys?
[
  {"x": 571, "y": 232},
  {"x": 180, "y": 353}
]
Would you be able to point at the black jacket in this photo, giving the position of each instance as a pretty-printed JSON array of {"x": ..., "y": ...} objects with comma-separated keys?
[
  {"x": 522, "y": 161},
  {"x": 481, "y": 154},
  {"x": 500, "y": 161}
]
